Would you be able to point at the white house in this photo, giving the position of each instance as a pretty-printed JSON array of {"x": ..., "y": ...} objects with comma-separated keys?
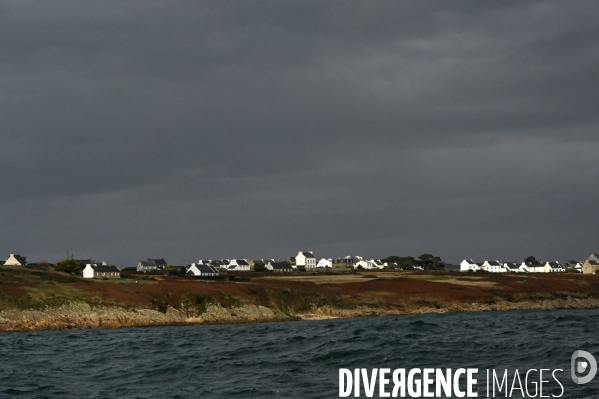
[
  {"x": 379, "y": 264},
  {"x": 554, "y": 267},
  {"x": 325, "y": 263},
  {"x": 526, "y": 267},
  {"x": 532, "y": 268},
  {"x": 493, "y": 266},
  {"x": 574, "y": 264},
  {"x": 15, "y": 260},
  {"x": 306, "y": 259},
  {"x": 365, "y": 264},
  {"x": 511, "y": 267},
  {"x": 239, "y": 265},
  {"x": 202, "y": 270},
  {"x": 100, "y": 271},
  {"x": 469, "y": 264}
]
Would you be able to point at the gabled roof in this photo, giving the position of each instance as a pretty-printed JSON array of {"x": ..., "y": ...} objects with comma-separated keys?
[
  {"x": 281, "y": 265},
  {"x": 308, "y": 254},
  {"x": 21, "y": 259},
  {"x": 555, "y": 264},
  {"x": 105, "y": 268},
  {"x": 206, "y": 269},
  {"x": 494, "y": 263},
  {"x": 148, "y": 262},
  {"x": 242, "y": 262},
  {"x": 158, "y": 262}
]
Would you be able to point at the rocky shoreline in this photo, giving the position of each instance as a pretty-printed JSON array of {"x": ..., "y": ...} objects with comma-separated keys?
[{"x": 80, "y": 315}]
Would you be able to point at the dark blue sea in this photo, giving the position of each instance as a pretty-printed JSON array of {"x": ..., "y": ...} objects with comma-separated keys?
[{"x": 293, "y": 359}]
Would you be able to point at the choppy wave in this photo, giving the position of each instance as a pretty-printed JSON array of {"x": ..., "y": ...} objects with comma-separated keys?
[{"x": 292, "y": 359}]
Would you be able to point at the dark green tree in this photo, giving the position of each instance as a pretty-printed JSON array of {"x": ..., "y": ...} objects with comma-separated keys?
[
  {"x": 532, "y": 260},
  {"x": 260, "y": 267},
  {"x": 430, "y": 262},
  {"x": 70, "y": 266}
]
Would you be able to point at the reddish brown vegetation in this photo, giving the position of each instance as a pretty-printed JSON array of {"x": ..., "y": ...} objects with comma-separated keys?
[{"x": 389, "y": 291}]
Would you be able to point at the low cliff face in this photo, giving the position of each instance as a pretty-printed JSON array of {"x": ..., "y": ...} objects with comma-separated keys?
[{"x": 83, "y": 316}]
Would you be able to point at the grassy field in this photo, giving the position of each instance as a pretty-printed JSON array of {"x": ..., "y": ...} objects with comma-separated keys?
[{"x": 24, "y": 288}]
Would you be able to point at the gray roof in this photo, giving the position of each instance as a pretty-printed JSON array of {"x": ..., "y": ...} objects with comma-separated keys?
[
  {"x": 158, "y": 262},
  {"x": 207, "y": 269},
  {"x": 555, "y": 264},
  {"x": 281, "y": 265},
  {"x": 242, "y": 262},
  {"x": 105, "y": 268},
  {"x": 308, "y": 255},
  {"x": 22, "y": 260},
  {"x": 148, "y": 262}
]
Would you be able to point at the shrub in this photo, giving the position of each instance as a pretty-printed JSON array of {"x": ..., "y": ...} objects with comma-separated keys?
[
  {"x": 260, "y": 267},
  {"x": 70, "y": 266}
]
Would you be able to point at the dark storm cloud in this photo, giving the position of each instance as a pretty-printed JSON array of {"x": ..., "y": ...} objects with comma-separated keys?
[{"x": 220, "y": 129}]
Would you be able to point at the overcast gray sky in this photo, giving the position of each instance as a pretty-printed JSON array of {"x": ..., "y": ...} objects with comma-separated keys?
[{"x": 221, "y": 129}]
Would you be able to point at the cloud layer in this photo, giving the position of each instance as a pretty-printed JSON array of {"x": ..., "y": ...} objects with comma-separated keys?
[{"x": 220, "y": 129}]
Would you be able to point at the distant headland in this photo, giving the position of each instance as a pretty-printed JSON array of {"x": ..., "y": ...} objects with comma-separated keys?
[{"x": 37, "y": 297}]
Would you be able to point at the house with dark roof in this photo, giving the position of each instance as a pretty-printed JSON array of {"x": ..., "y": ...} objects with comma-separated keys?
[
  {"x": 281, "y": 267},
  {"x": 202, "y": 270},
  {"x": 573, "y": 264},
  {"x": 590, "y": 266},
  {"x": 239, "y": 265},
  {"x": 160, "y": 263},
  {"x": 151, "y": 265},
  {"x": 493, "y": 266},
  {"x": 511, "y": 267},
  {"x": 554, "y": 267},
  {"x": 16, "y": 260},
  {"x": 469, "y": 264},
  {"x": 306, "y": 259},
  {"x": 145, "y": 266},
  {"x": 101, "y": 271}
]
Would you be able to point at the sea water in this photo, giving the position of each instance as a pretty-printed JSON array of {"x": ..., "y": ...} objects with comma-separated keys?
[{"x": 291, "y": 359}]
